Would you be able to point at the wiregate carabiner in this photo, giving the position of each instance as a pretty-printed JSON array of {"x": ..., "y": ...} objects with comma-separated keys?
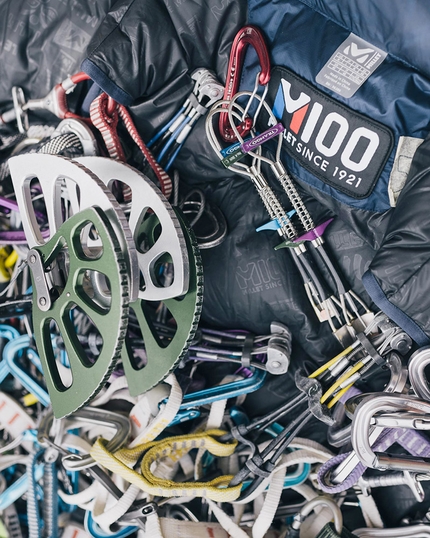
[
  {"x": 339, "y": 433},
  {"x": 222, "y": 392},
  {"x": 248, "y": 35}
]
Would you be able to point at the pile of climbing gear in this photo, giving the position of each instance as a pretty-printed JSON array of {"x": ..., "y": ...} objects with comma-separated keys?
[{"x": 123, "y": 411}]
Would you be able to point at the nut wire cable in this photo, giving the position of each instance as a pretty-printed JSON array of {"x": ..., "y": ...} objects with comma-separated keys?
[
  {"x": 273, "y": 205},
  {"x": 297, "y": 202},
  {"x": 268, "y": 419},
  {"x": 355, "y": 372}
]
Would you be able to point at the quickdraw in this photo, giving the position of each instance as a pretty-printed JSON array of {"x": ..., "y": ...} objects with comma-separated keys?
[{"x": 105, "y": 114}]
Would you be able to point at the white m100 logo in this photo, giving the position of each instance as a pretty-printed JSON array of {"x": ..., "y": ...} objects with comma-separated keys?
[{"x": 333, "y": 122}]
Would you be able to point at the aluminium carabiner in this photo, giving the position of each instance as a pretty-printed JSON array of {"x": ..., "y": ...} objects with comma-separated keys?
[
  {"x": 364, "y": 414},
  {"x": 248, "y": 35}
]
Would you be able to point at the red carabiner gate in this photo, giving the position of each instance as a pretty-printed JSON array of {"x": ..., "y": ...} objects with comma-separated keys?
[{"x": 248, "y": 35}]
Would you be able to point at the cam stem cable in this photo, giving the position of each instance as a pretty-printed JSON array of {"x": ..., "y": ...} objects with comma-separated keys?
[
  {"x": 300, "y": 422},
  {"x": 334, "y": 360},
  {"x": 278, "y": 444},
  {"x": 268, "y": 419}
]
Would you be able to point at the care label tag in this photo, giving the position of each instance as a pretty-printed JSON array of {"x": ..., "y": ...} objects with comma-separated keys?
[
  {"x": 350, "y": 66},
  {"x": 338, "y": 145}
]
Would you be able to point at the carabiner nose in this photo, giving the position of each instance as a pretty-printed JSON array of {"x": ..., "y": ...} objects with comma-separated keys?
[{"x": 248, "y": 35}]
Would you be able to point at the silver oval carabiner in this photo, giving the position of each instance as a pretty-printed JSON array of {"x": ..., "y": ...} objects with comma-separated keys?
[
  {"x": 364, "y": 418},
  {"x": 416, "y": 366}
]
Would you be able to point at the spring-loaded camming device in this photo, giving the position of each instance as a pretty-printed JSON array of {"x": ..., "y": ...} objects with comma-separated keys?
[{"x": 168, "y": 141}]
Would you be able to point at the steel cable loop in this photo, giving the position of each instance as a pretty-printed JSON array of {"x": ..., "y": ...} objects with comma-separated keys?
[
  {"x": 279, "y": 169},
  {"x": 237, "y": 168},
  {"x": 277, "y": 446},
  {"x": 33, "y": 513},
  {"x": 201, "y": 204},
  {"x": 268, "y": 197},
  {"x": 50, "y": 502}
]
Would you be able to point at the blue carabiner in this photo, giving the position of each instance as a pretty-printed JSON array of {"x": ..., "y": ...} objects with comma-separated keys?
[
  {"x": 187, "y": 409},
  {"x": 222, "y": 392},
  {"x": 93, "y": 528},
  {"x": 9, "y": 333},
  {"x": 10, "y": 354}
]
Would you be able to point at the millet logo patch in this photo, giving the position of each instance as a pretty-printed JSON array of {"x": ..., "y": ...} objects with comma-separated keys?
[
  {"x": 360, "y": 55},
  {"x": 341, "y": 147}
]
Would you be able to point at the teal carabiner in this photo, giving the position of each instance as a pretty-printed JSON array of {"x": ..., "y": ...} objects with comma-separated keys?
[
  {"x": 190, "y": 402},
  {"x": 10, "y": 355},
  {"x": 9, "y": 333}
]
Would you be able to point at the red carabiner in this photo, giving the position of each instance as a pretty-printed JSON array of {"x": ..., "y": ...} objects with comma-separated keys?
[
  {"x": 248, "y": 35},
  {"x": 56, "y": 100},
  {"x": 61, "y": 90}
]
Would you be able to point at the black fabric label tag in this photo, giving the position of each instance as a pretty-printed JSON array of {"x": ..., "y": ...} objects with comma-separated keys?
[{"x": 341, "y": 147}]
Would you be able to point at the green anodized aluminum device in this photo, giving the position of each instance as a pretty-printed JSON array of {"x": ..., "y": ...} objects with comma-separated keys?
[
  {"x": 62, "y": 263},
  {"x": 162, "y": 358},
  {"x": 55, "y": 303},
  {"x": 167, "y": 237}
]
